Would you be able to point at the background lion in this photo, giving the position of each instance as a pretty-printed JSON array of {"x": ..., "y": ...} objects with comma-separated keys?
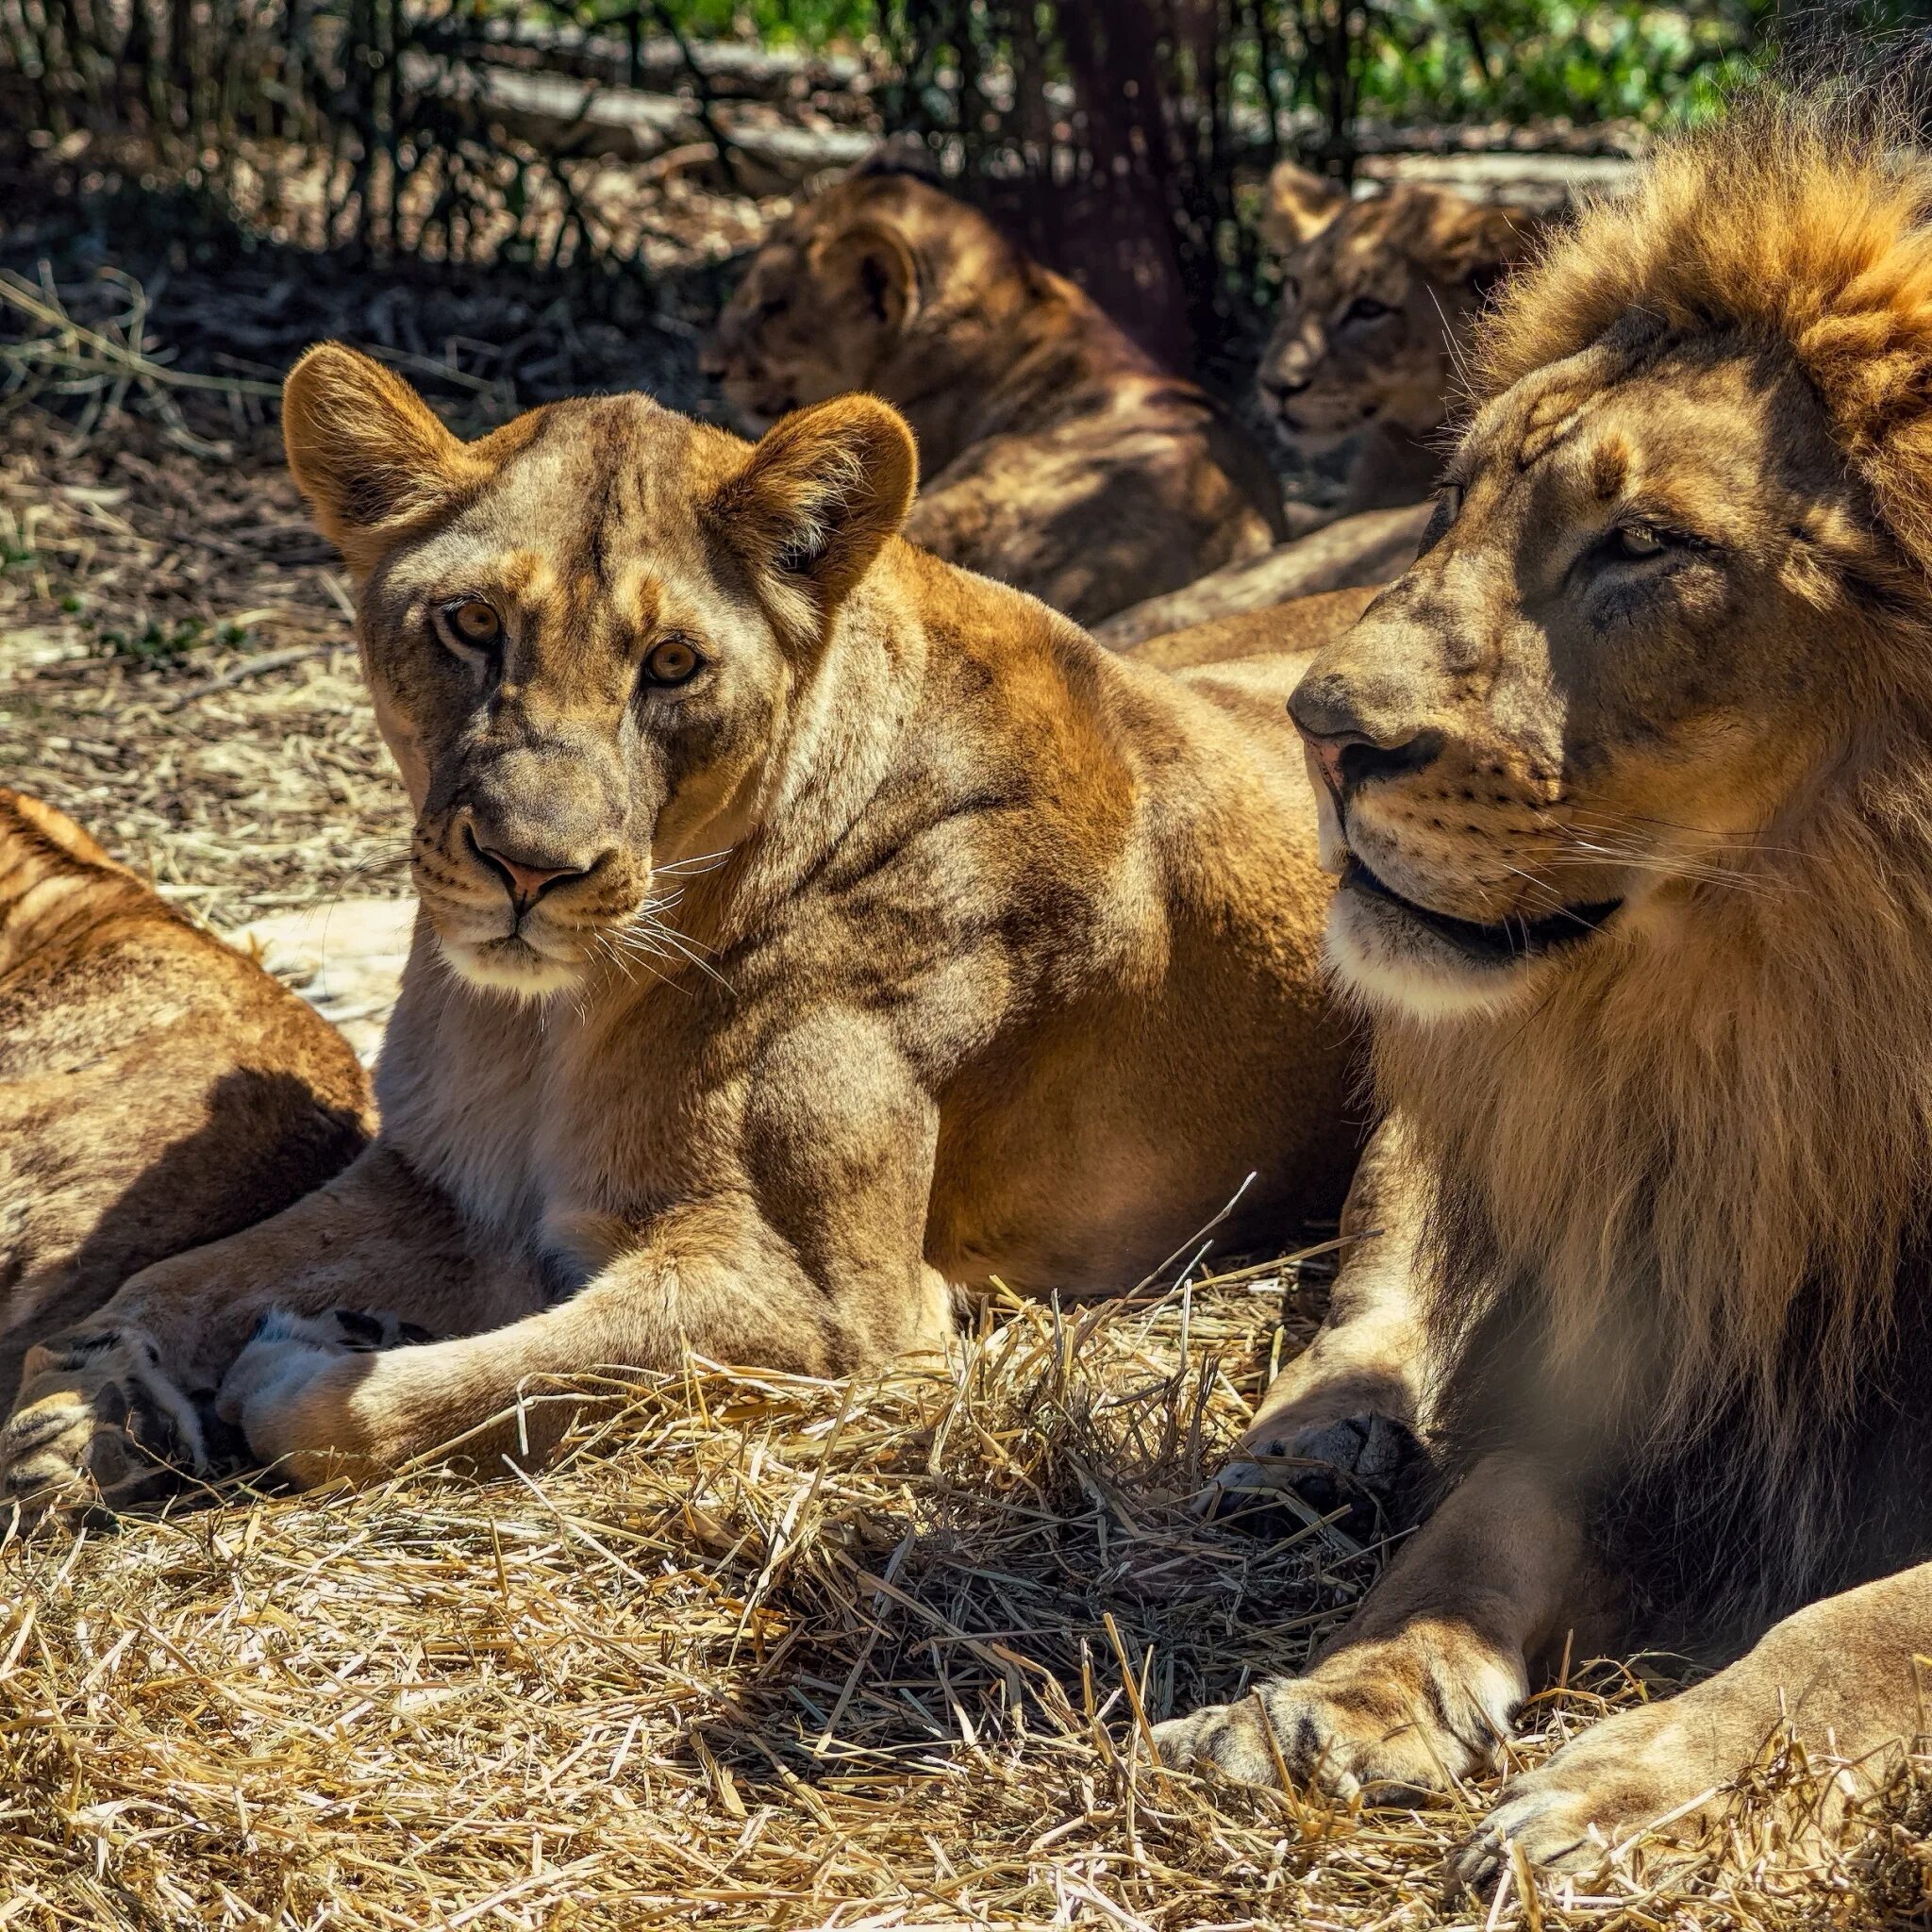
[
  {"x": 157, "y": 1091},
  {"x": 1056, "y": 455},
  {"x": 1378, "y": 298},
  {"x": 1629, "y": 784},
  {"x": 808, "y": 927}
]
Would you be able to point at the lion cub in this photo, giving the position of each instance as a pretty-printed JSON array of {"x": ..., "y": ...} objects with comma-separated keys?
[
  {"x": 157, "y": 1091},
  {"x": 1058, "y": 456},
  {"x": 808, "y": 927},
  {"x": 1378, "y": 299}
]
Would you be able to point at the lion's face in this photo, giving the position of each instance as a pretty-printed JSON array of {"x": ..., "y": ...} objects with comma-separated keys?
[
  {"x": 1376, "y": 295},
  {"x": 820, "y": 308},
  {"x": 1613, "y": 666},
  {"x": 584, "y": 637}
]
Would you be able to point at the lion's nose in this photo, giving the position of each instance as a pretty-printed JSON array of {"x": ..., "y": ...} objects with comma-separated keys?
[
  {"x": 1348, "y": 751},
  {"x": 712, "y": 363},
  {"x": 526, "y": 878},
  {"x": 1285, "y": 388}
]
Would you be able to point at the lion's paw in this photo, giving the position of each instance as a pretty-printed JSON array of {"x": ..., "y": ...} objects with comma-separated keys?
[
  {"x": 285, "y": 1359},
  {"x": 1575, "y": 1812},
  {"x": 99, "y": 1424},
  {"x": 1355, "y": 1465},
  {"x": 1371, "y": 1728}
]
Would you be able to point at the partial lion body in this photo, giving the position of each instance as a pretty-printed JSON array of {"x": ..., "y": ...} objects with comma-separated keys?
[
  {"x": 942, "y": 947},
  {"x": 1057, "y": 456},
  {"x": 157, "y": 1090}
]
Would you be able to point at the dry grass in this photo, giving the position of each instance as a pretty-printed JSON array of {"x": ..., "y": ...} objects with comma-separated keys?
[{"x": 759, "y": 1651}]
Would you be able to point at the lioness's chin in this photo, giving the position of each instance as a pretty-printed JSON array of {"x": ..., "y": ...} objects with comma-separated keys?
[
  {"x": 1398, "y": 954},
  {"x": 509, "y": 965}
]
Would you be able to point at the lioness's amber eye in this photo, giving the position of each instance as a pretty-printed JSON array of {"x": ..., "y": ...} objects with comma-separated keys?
[
  {"x": 1640, "y": 539},
  {"x": 673, "y": 661},
  {"x": 474, "y": 623}
]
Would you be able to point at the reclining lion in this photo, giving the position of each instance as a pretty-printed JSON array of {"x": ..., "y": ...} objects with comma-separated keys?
[
  {"x": 1057, "y": 456},
  {"x": 808, "y": 927},
  {"x": 1629, "y": 785},
  {"x": 157, "y": 1091},
  {"x": 1378, "y": 299}
]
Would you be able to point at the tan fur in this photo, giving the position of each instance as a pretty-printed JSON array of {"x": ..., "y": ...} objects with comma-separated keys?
[
  {"x": 1301, "y": 624},
  {"x": 915, "y": 941},
  {"x": 157, "y": 1091},
  {"x": 1652, "y": 714},
  {"x": 1422, "y": 260},
  {"x": 1057, "y": 456}
]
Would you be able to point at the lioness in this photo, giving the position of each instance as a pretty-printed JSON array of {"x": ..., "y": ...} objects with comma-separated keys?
[
  {"x": 807, "y": 926},
  {"x": 1378, "y": 297},
  {"x": 1058, "y": 457},
  {"x": 157, "y": 1091},
  {"x": 1629, "y": 785}
]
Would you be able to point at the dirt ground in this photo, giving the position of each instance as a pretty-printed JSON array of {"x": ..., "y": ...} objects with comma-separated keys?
[{"x": 762, "y": 1653}]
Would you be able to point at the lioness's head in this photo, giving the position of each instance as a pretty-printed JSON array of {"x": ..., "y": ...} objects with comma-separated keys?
[
  {"x": 841, "y": 287},
  {"x": 1376, "y": 297},
  {"x": 1669, "y": 607},
  {"x": 585, "y": 635}
]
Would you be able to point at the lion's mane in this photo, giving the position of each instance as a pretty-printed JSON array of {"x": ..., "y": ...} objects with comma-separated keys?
[{"x": 1691, "y": 1186}]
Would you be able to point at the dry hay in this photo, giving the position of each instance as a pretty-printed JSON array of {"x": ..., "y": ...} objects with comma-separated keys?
[{"x": 761, "y": 1651}]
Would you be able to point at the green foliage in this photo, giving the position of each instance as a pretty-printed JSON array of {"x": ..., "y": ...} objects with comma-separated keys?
[
  {"x": 777, "y": 23},
  {"x": 1511, "y": 60}
]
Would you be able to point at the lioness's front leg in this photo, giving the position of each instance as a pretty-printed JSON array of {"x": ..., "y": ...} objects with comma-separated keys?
[
  {"x": 812, "y": 1262},
  {"x": 115, "y": 1407},
  {"x": 1422, "y": 1685},
  {"x": 1845, "y": 1672}
]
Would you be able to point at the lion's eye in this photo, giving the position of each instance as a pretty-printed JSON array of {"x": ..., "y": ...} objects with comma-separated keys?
[
  {"x": 1367, "y": 308},
  {"x": 673, "y": 660},
  {"x": 470, "y": 624},
  {"x": 1639, "y": 540},
  {"x": 1448, "y": 507}
]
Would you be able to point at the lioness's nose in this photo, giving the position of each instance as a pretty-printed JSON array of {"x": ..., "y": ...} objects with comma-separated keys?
[
  {"x": 526, "y": 878},
  {"x": 1284, "y": 387},
  {"x": 1349, "y": 753}
]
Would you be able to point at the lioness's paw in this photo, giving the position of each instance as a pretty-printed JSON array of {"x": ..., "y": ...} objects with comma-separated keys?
[
  {"x": 1388, "y": 1727},
  {"x": 1598, "y": 1793},
  {"x": 100, "y": 1424},
  {"x": 289, "y": 1360}
]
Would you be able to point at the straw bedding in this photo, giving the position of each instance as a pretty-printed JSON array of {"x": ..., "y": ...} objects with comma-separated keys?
[{"x": 759, "y": 1652}]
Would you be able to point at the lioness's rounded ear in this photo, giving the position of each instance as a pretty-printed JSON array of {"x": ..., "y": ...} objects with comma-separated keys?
[
  {"x": 1299, "y": 205},
  {"x": 879, "y": 266},
  {"x": 366, "y": 450},
  {"x": 821, "y": 495}
]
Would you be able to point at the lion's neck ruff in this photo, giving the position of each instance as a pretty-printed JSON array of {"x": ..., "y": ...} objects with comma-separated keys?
[
  {"x": 1697, "y": 1169},
  {"x": 1691, "y": 1158}
]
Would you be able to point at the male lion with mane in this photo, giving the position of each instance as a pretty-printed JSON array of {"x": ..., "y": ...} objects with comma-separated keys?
[
  {"x": 1628, "y": 781},
  {"x": 808, "y": 928},
  {"x": 1060, "y": 457}
]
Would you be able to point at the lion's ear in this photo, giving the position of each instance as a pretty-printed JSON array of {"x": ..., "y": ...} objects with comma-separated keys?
[
  {"x": 1299, "y": 205},
  {"x": 367, "y": 451},
  {"x": 878, "y": 266},
  {"x": 821, "y": 495}
]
